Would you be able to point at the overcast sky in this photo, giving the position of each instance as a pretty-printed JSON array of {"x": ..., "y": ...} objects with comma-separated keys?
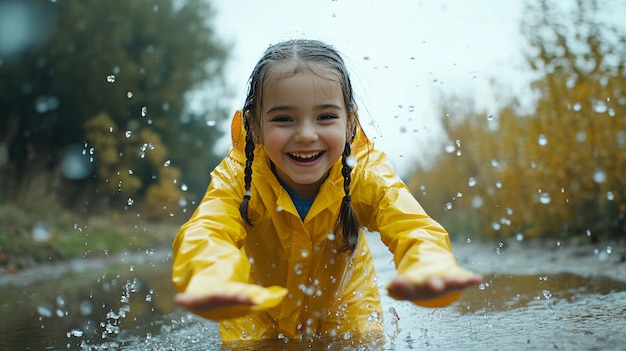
[{"x": 402, "y": 55}]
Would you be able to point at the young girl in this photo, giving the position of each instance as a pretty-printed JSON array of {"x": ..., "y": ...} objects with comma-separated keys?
[{"x": 276, "y": 247}]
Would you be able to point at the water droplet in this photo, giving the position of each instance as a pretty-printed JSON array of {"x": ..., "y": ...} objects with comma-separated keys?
[
  {"x": 111, "y": 78},
  {"x": 40, "y": 233},
  {"x": 577, "y": 106},
  {"x": 44, "y": 104},
  {"x": 76, "y": 162},
  {"x": 304, "y": 253},
  {"x": 85, "y": 308},
  {"x": 128, "y": 133},
  {"x": 351, "y": 161},
  {"x": 599, "y": 106},
  {"x": 211, "y": 123},
  {"x": 599, "y": 176},
  {"x": 471, "y": 182},
  {"x": 581, "y": 136},
  {"x": 499, "y": 248},
  {"x": 477, "y": 202},
  {"x": 144, "y": 111},
  {"x": 167, "y": 163},
  {"x": 279, "y": 209},
  {"x": 519, "y": 236},
  {"x": 610, "y": 196},
  {"x": 129, "y": 95},
  {"x": 494, "y": 162},
  {"x": 330, "y": 236},
  {"x": 546, "y": 293},
  {"x": 544, "y": 198},
  {"x": 44, "y": 311},
  {"x": 542, "y": 140},
  {"x": 130, "y": 201},
  {"x": 448, "y": 206},
  {"x": 184, "y": 187},
  {"x": 450, "y": 147}
]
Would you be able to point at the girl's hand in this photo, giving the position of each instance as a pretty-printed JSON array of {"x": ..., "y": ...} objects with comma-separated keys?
[
  {"x": 211, "y": 302},
  {"x": 431, "y": 288}
]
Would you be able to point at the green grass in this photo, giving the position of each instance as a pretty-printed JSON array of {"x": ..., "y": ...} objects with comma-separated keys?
[{"x": 71, "y": 235}]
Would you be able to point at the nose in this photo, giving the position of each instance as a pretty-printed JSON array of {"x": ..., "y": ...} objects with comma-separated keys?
[{"x": 306, "y": 132}]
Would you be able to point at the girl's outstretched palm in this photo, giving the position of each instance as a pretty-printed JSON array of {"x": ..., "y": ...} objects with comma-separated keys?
[{"x": 402, "y": 289}]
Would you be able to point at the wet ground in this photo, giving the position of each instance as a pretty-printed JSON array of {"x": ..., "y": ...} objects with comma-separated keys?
[{"x": 536, "y": 296}]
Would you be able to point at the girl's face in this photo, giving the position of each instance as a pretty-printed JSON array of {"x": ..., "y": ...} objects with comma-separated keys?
[{"x": 304, "y": 124}]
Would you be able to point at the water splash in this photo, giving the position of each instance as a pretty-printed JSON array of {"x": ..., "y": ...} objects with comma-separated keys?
[{"x": 395, "y": 323}]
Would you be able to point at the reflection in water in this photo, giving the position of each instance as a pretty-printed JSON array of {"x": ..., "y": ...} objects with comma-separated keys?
[{"x": 129, "y": 306}]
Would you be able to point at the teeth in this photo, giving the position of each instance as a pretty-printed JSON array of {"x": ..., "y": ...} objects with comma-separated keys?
[{"x": 305, "y": 156}]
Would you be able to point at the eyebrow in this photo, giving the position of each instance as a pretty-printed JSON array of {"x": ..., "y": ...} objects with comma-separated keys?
[{"x": 289, "y": 107}]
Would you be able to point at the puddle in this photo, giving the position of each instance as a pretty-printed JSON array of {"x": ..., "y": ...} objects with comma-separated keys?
[
  {"x": 130, "y": 307},
  {"x": 506, "y": 292}
]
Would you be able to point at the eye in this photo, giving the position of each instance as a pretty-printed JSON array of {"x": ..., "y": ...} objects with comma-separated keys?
[
  {"x": 326, "y": 117},
  {"x": 281, "y": 118}
]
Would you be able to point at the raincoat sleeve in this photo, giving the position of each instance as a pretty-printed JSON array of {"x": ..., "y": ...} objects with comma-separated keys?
[
  {"x": 207, "y": 254},
  {"x": 420, "y": 246}
]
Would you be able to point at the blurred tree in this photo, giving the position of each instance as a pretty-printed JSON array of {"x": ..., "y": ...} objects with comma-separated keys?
[
  {"x": 111, "y": 77},
  {"x": 557, "y": 171}
]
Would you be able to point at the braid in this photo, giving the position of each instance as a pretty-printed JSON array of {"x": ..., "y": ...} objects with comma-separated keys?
[
  {"x": 347, "y": 222},
  {"x": 243, "y": 208}
]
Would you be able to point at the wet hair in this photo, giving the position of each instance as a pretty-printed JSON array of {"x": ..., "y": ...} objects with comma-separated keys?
[{"x": 291, "y": 57}]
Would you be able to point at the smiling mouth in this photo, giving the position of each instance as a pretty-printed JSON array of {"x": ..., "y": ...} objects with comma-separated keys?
[{"x": 305, "y": 156}]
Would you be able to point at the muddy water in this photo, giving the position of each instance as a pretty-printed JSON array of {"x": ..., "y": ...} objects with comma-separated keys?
[{"x": 128, "y": 306}]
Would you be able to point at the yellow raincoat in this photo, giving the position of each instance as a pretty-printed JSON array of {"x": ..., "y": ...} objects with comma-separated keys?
[{"x": 288, "y": 267}]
